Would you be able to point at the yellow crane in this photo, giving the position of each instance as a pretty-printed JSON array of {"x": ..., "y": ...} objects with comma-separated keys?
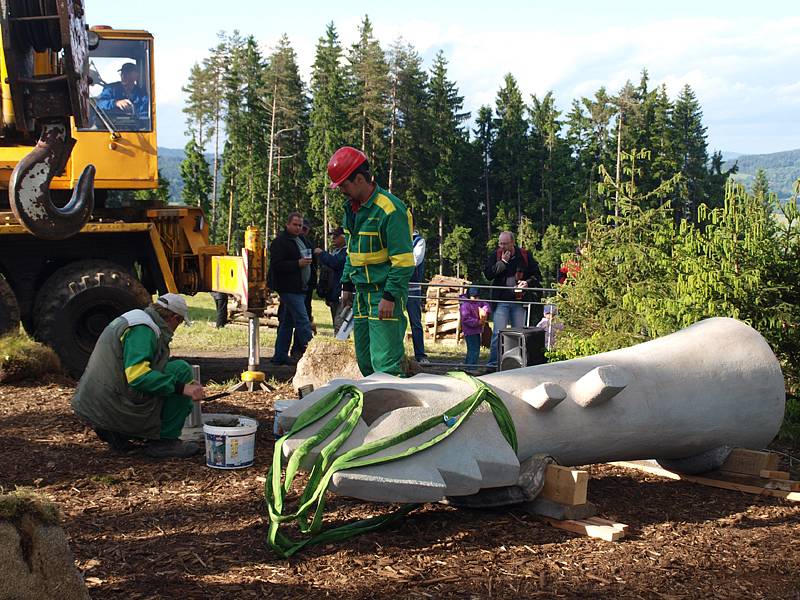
[{"x": 70, "y": 261}]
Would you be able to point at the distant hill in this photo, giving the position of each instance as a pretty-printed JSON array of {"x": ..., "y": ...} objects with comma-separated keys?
[
  {"x": 782, "y": 169},
  {"x": 169, "y": 163}
]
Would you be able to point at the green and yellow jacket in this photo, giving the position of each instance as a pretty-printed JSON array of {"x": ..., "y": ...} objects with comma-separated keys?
[
  {"x": 127, "y": 378},
  {"x": 379, "y": 248}
]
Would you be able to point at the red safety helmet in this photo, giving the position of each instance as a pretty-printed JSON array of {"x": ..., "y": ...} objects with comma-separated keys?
[{"x": 343, "y": 162}]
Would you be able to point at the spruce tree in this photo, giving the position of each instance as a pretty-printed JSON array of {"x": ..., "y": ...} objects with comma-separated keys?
[
  {"x": 287, "y": 107},
  {"x": 215, "y": 66},
  {"x": 246, "y": 148},
  {"x": 328, "y": 118},
  {"x": 690, "y": 152},
  {"x": 370, "y": 91},
  {"x": 408, "y": 169},
  {"x": 554, "y": 158},
  {"x": 199, "y": 105},
  {"x": 664, "y": 164},
  {"x": 448, "y": 145},
  {"x": 484, "y": 133},
  {"x": 509, "y": 151},
  {"x": 196, "y": 177}
]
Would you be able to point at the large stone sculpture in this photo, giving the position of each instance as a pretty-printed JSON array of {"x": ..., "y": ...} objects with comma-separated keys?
[{"x": 685, "y": 399}]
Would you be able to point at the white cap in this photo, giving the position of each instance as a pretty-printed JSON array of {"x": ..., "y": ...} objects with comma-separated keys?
[{"x": 175, "y": 303}]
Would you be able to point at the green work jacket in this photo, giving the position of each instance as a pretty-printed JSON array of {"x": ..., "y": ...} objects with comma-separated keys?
[
  {"x": 379, "y": 248},
  {"x": 124, "y": 385}
]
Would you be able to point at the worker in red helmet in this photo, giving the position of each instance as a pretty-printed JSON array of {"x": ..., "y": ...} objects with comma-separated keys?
[{"x": 379, "y": 263}]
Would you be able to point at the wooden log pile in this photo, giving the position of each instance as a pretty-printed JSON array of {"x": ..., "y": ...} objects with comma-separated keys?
[{"x": 442, "y": 320}]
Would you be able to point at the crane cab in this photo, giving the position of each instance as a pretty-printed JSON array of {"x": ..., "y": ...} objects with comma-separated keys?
[{"x": 120, "y": 136}]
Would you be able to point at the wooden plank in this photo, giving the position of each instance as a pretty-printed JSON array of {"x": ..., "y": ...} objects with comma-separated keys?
[
  {"x": 591, "y": 527},
  {"x": 759, "y": 490},
  {"x": 436, "y": 315},
  {"x": 750, "y": 462},
  {"x": 602, "y": 521},
  {"x": 565, "y": 485},
  {"x": 767, "y": 474}
]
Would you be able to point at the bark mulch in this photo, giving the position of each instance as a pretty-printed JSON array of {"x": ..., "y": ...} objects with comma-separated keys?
[{"x": 141, "y": 528}]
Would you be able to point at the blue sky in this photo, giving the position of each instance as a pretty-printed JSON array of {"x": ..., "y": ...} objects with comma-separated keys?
[{"x": 741, "y": 58}]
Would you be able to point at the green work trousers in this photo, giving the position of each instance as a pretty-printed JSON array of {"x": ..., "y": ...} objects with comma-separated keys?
[
  {"x": 176, "y": 407},
  {"x": 379, "y": 342}
]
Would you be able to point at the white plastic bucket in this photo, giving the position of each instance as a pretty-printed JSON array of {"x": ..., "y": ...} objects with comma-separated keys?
[
  {"x": 230, "y": 447},
  {"x": 280, "y": 406}
]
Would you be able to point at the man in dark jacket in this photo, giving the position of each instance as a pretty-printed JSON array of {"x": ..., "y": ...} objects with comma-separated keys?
[
  {"x": 290, "y": 276},
  {"x": 330, "y": 273},
  {"x": 511, "y": 267}
]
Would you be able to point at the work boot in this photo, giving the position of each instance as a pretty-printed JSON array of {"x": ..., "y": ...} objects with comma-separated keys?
[
  {"x": 118, "y": 442},
  {"x": 171, "y": 449}
]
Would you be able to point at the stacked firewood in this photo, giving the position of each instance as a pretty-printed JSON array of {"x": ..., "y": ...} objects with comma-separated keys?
[{"x": 442, "y": 320}]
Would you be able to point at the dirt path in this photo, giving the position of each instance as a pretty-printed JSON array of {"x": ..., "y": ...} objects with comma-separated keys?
[{"x": 176, "y": 529}]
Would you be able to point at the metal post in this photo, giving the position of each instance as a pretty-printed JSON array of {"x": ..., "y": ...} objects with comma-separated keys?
[
  {"x": 196, "y": 416},
  {"x": 254, "y": 354}
]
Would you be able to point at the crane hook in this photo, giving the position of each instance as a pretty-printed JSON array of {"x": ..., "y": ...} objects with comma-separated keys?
[{"x": 29, "y": 187}]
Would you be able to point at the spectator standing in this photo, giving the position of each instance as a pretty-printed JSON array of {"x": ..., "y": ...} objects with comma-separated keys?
[
  {"x": 330, "y": 272},
  {"x": 290, "y": 275},
  {"x": 514, "y": 269},
  {"x": 414, "y": 306},
  {"x": 474, "y": 313}
]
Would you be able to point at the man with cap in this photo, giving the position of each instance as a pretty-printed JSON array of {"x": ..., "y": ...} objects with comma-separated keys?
[
  {"x": 330, "y": 273},
  {"x": 378, "y": 265},
  {"x": 125, "y": 97},
  {"x": 132, "y": 390}
]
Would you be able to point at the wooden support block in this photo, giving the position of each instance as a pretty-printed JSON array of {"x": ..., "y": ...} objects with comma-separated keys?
[
  {"x": 767, "y": 474},
  {"x": 592, "y": 527},
  {"x": 565, "y": 485},
  {"x": 555, "y": 510},
  {"x": 750, "y": 462}
]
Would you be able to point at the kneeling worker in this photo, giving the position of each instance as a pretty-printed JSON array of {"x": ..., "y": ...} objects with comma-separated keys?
[{"x": 132, "y": 390}]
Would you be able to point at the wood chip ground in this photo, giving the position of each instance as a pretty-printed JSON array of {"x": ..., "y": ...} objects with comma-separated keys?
[{"x": 142, "y": 529}]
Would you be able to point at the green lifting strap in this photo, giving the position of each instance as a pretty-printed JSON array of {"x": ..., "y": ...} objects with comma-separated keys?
[{"x": 326, "y": 466}]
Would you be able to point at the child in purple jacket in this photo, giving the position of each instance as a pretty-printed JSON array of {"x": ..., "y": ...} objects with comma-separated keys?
[{"x": 474, "y": 313}]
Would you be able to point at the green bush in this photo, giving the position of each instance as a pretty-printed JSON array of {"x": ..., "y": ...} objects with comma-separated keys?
[
  {"x": 645, "y": 273},
  {"x": 790, "y": 430}
]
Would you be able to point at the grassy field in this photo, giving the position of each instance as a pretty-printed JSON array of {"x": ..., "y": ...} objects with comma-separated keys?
[{"x": 202, "y": 336}]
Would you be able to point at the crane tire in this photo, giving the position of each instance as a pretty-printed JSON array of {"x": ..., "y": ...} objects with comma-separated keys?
[{"x": 77, "y": 302}]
